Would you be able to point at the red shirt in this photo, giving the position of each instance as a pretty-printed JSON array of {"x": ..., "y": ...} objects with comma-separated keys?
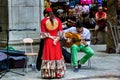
[
  {"x": 100, "y": 15},
  {"x": 101, "y": 22}
]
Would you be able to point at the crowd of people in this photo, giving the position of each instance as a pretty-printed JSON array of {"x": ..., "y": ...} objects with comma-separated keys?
[
  {"x": 58, "y": 27},
  {"x": 90, "y": 19}
]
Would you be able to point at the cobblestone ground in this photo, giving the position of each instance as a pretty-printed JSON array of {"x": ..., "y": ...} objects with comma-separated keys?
[{"x": 103, "y": 67}]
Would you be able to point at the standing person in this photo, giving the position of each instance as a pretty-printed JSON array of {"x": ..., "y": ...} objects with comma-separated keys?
[
  {"x": 101, "y": 18},
  {"x": 53, "y": 65},
  {"x": 39, "y": 60},
  {"x": 83, "y": 46}
]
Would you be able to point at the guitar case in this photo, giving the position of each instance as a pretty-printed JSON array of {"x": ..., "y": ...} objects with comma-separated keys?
[
  {"x": 12, "y": 59},
  {"x": 3, "y": 58}
]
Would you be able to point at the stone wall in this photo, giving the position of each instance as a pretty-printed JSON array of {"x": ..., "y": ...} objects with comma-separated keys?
[
  {"x": 19, "y": 15},
  {"x": 3, "y": 22},
  {"x": 24, "y": 14},
  {"x": 101, "y": 37}
]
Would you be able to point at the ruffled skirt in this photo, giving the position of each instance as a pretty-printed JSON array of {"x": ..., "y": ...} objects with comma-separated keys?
[{"x": 53, "y": 69}]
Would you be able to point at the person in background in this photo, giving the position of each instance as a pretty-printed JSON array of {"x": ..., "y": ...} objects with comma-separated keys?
[
  {"x": 60, "y": 15},
  {"x": 83, "y": 46},
  {"x": 70, "y": 18},
  {"x": 101, "y": 18},
  {"x": 92, "y": 17},
  {"x": 85, "y": 15},
  {"x": 47, "y": 4},
  {"x": 78, "y": 11},
  {"x": 53, "y": 65}
]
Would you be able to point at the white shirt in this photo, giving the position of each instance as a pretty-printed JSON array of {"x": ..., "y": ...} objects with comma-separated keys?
[
  {"x": 53, "y": 0},
  {"x": 85, "y": 35}
]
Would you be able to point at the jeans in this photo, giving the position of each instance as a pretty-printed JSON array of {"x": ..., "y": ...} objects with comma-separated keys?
[{"x": 86, "y": 49}]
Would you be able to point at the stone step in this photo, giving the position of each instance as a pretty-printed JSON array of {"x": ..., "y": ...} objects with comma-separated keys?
[{"x": 101, "y": 36}]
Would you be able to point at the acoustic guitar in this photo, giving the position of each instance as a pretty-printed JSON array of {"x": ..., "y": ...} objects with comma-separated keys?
[{"x": 75, "y": 37}]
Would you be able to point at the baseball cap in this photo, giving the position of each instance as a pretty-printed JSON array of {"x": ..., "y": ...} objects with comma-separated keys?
[{"x": 60, "y": 11}]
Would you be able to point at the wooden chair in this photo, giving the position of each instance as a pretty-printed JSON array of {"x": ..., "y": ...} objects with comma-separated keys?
[{"x": 28, "y": 47}]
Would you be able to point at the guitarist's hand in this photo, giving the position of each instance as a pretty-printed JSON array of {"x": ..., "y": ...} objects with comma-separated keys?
[
  {"x": 64, "y": 35},
  {"x": 69, "y": 40},
  {"x": 84, "y": 42}
]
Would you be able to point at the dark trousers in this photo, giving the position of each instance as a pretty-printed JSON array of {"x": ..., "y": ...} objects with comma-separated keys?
[{"x": 67, "y": 55}]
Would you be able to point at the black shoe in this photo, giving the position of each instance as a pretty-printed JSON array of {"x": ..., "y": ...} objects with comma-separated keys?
[
  {"x": 95, "y": 41},
  {"x": 79, "y": 65},
  {"x": 75, "y": 70}
]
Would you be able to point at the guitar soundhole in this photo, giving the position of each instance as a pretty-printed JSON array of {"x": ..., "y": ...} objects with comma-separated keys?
[{"x": 75, "y": 39}]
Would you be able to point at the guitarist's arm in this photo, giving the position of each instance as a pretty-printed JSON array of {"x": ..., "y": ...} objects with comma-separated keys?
[
  {"x": 66, "y": 38},
  {"x": 71, "y": 29},
  {"x": 87, "y": 37},
  {"x": 84, "y": 42}
]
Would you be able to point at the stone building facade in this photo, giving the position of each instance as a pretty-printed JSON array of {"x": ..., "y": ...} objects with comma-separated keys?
[{"x": 20, "y": 17}]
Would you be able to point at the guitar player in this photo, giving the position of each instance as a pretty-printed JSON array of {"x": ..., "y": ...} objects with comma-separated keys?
[{"x": 83, "y": 46}]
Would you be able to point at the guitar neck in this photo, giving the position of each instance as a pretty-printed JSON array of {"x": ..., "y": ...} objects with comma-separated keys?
[
  {"x": 86, "y": 39},
  {"x": 76, "y": 40}
]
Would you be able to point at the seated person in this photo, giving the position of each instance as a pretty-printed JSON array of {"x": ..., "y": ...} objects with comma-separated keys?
[
  {"x": 60, "y": 15},
  {"x": 83, "y": 46},
  {"x": 101, "y": 18},
  {"x": 70, "y": 18}
]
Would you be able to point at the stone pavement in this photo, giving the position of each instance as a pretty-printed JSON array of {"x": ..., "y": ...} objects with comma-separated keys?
[{"x": 103, "y": 67}]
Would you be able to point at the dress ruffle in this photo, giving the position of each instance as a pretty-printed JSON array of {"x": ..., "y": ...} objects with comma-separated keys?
[{"x": 53, "y": 68}]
